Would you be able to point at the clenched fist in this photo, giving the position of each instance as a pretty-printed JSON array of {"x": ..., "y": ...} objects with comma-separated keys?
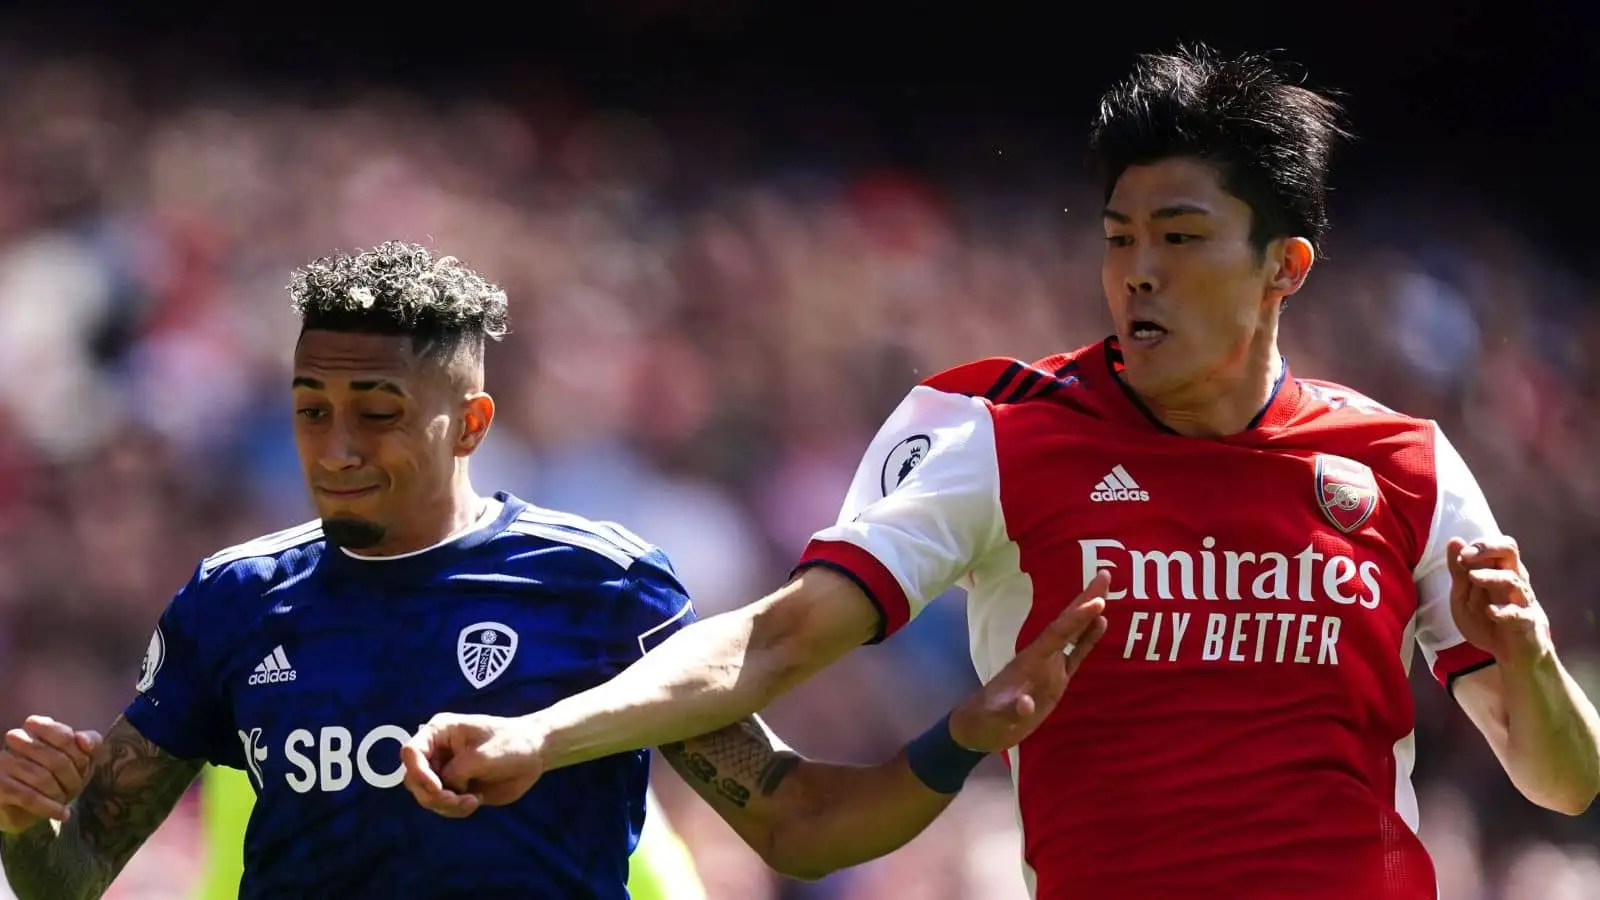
[
  {"x": 1492, "y": 599},
  {"x": 43, "y": 767},
  {"x": 456, "y": 763}
]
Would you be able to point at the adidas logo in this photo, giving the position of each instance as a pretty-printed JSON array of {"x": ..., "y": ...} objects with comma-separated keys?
[
  {"x": 1117, "y": 487},
  {"x": 274, "y": 669}
]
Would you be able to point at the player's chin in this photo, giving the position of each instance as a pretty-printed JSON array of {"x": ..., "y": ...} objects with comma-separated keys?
[
  {"x": 352, "y": 532},
  {"x": 1160, "y": 365},
  {"x": 1150, "y": 371}
]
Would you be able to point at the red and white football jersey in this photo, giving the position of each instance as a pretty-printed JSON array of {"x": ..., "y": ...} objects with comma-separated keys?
[{"x": 1244, "y": 729}]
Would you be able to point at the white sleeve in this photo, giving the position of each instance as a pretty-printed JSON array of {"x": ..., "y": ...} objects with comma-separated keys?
[
  {"x": 924, "y": 505},
  {"x": 1460, "y": 511}
]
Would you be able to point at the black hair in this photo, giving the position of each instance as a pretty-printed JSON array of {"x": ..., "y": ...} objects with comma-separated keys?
[
  {"x": 400, "y": 288},
  {"x": 1269, "y": 137}
]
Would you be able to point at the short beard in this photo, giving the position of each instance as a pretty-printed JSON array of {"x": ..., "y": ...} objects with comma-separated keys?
[{"x": 353, "y": 534}]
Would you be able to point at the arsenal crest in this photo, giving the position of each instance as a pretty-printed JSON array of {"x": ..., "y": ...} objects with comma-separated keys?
[
  {"x": 1346, "y": 491},
  {"x": 484, "y": 651}
]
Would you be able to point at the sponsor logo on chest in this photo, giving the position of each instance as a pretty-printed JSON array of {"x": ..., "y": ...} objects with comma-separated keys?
[
  {"x": 334, "y": 757},
  {"x": 1293, "y": 586},
  {"x": 1284, "y": 629}
]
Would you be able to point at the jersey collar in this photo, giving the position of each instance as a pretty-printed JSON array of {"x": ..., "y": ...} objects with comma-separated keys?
[
  {"x": 1280, "y": 407},
  {"x": 414, "y": 566}
]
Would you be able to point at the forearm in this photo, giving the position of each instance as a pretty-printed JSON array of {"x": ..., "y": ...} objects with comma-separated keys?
[
  {"x": 850, "y": 815},
  {"x": 52, "y": 861},
  {"x": 712, "y": 674},
  {"x": 1552, "y": 735},
  {"x": 805, "y": 818},
  {"x": 699, "y": 680}
]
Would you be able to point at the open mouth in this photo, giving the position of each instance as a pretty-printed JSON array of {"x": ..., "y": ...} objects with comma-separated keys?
[{"x": 1146, "y": 332}]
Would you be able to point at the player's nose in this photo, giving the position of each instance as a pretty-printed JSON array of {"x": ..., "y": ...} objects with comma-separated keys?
[
  {"x": 1141, "y": 280},
  {"x": 339, "y": 450},
  {"x": 1141, "y": 275}
]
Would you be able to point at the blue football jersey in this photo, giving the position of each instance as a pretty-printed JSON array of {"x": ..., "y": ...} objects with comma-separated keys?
[{"x": 309, "y": 668}]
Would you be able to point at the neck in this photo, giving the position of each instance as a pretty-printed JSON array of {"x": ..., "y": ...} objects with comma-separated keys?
[
  {"x": 466, "y": 507},
  {"x": 1224, "y": 401}
]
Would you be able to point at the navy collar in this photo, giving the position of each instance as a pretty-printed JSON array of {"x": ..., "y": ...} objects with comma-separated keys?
[{"x": 427, "y": 563}]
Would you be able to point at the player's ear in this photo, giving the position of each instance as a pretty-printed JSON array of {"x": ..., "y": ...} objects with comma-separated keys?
[
  {"x": 1292, "y": 259},
  {"x": 477, "y": 415}
]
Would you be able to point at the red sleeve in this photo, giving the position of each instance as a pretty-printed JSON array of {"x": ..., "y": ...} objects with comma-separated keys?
[
  {"x": 869, "y": 574},
  {"x": 1462, "y": 659}
]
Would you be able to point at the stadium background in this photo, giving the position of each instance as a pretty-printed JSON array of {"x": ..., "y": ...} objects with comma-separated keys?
[{"x": 733, "y": 234}]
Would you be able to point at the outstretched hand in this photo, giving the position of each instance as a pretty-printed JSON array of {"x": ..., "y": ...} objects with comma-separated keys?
[{"x": 1014, "y": 703}]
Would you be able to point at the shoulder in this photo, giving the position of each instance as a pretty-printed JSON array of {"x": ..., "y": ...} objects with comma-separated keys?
[
  {"x": 1409, "y": 458},
  {"x": 1348, "y": 423},
  {"x": 967, "y": 411},
  {"x": 265, "y": 560},
  {"x": 1329, "y": 404},
  {"x": 1004, "y": 381},
  {"x": 582, "y": 547},
  {"x": 999, "y": 388},
  {"x": 1346, "y": 405},
  {"x": 628, "y": 576}
]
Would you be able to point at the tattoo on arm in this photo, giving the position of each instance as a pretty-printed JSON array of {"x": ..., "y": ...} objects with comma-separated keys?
[
  {"x": 737, "y": 763},
  {"x": 131, "y": 791}
]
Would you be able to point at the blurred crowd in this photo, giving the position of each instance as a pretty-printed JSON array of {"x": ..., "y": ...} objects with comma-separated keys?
[{"x": 700, "y": 351}]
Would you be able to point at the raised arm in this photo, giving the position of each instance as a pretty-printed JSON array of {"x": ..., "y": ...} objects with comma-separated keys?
[{"x": 132, "y": 787}]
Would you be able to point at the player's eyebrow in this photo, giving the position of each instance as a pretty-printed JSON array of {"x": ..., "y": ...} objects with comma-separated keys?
[
  {"x": 376, "y": 384},
  {"x": 1166, "y": 212},
  {"x": 380, "y": 384}
]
